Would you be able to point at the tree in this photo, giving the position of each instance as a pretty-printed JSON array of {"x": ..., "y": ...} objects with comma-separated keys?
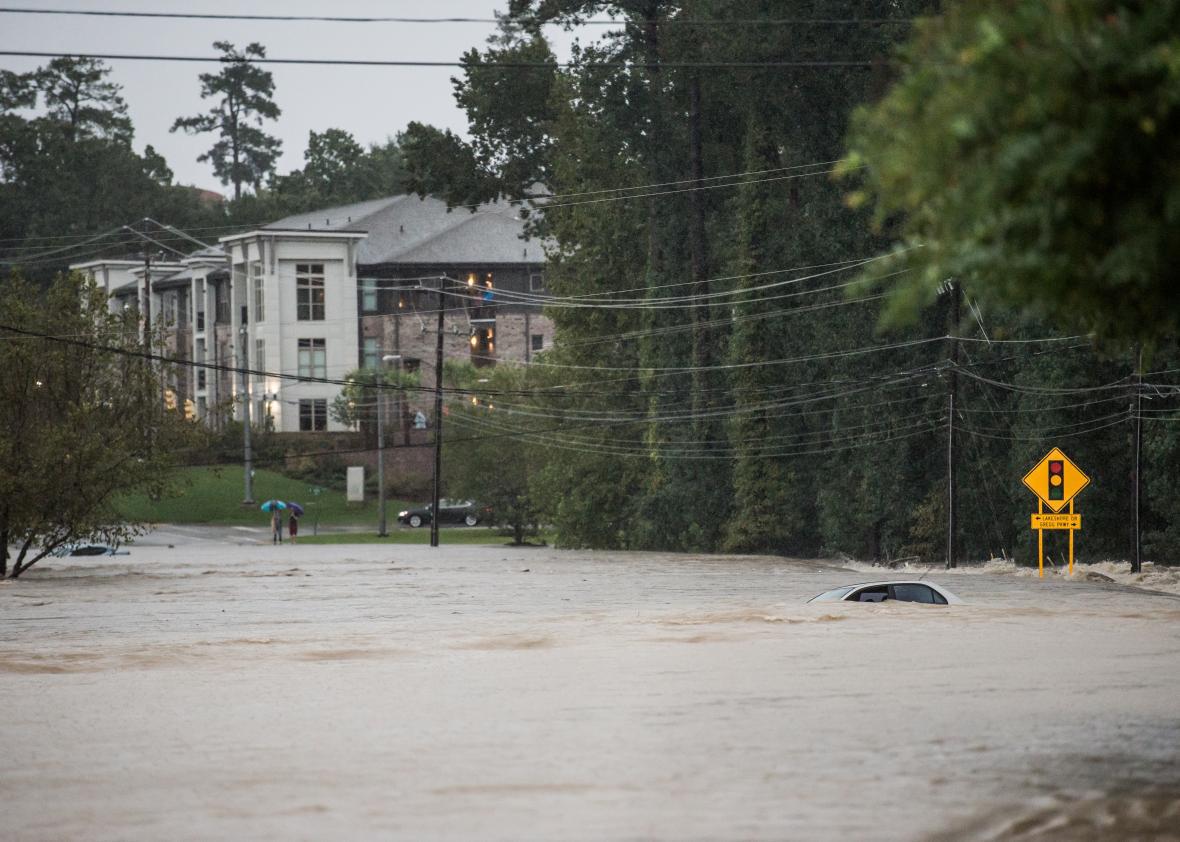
[
  {"x": 69, "y": 171},
  {"x": 81, "y": 101},
  {"x": 492, "y": 455},
  {"x": 356, "y": 404},
  {"x": 337, "y": 171},
  {"x": 17, "y": 90},
  {"x": 1025, "y": 151},
  {"x": 83, "y": 420},
  {"x": 243, "y": 153},
  {"x": 510, "y": 112}
]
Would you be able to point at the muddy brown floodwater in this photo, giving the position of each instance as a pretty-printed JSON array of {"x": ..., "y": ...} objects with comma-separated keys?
[{"x": 314, "y": 692}]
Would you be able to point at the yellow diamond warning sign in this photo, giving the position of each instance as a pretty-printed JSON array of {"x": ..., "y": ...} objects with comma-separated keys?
[{"x": 1056, "y": 480}]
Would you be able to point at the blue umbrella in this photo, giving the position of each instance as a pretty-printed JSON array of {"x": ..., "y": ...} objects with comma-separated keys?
[
  {"x": 271, "y": 505},
  {"x": 295, "y": 508}
]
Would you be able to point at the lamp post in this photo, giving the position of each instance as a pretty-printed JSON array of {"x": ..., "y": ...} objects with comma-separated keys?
[
  {"x": 248, "y": 473},
  {"x": 381, "y": 530}
]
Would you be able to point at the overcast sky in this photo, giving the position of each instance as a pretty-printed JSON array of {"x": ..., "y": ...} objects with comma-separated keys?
[{"x": 371, "y": 103}]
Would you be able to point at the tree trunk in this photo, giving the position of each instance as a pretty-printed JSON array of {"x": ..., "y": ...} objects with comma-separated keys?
[
  {"x": 233, "y": 139},
  {"x": 3, "y": 552}
]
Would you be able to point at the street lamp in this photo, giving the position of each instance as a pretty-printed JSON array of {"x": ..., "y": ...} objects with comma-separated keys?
[{"x": 381, "y": 530}]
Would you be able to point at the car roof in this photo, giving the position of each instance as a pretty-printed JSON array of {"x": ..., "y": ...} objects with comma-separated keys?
[{"x": 891, "y": 582}]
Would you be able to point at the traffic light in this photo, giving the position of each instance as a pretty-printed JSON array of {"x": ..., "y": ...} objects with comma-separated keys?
[{"x": 1056, "y": 479}]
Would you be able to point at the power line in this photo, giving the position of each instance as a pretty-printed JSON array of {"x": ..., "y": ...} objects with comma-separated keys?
[
  {"x": 506, "y": 65},
  {"x": 54, "y": 238},
  {"x": 434, "y": 20}
]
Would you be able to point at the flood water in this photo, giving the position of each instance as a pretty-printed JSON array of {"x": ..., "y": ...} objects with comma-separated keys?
[{"x": 220, "y": 690}]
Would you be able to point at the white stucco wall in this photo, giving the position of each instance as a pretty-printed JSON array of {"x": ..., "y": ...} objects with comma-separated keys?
[{"x": 281, "y": 329}]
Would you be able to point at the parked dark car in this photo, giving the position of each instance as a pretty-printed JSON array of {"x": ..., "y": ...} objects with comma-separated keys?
[{"x": 450, "y": 511}]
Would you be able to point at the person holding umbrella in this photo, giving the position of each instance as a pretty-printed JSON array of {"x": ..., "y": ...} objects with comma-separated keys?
[
  {"x": 275, "y": 507},
  {"x": 293, "y": 519}
]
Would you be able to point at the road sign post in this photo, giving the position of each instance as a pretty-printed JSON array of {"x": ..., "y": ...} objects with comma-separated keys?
[{"x": 1056, "y": 481}]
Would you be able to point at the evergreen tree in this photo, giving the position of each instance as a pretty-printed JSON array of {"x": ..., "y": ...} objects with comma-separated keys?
[
  {"x": 79, "y": 99},
  {"x": 243, "y": 153}
]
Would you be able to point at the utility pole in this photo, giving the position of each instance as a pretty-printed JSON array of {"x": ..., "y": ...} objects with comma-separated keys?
[
  {"x": 701, "y": 344},
  {"x": 952, "y": 394},
  {"x": 382, "y": 532},
  {"x": 438, "y": 419},
  {"x": 1136, "y": 561},
  {"x": 248, "y": 457},
  {"x": 147, "y": 298}
]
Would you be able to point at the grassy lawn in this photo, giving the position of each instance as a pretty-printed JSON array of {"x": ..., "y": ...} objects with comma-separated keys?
[{"x": 209, "y": 496}]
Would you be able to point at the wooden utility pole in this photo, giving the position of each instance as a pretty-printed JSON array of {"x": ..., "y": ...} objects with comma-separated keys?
[
  {"x": 701, "y": 345},
  {"x": 438, "y": 419},
  {"x": 952, "y": 395},
  {"x": 1136, "y": 561},
  {"x": 147, "y": 299}
]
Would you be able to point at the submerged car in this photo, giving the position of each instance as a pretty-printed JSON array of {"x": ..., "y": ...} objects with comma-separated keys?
[
  {"x": 449, "y": 511},
  {"x": 88, "y": 549},
  {"x": 900, "y": 591}
]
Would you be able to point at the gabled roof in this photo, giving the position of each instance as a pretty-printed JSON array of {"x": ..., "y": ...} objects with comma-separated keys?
[
  {"x": 207, "y": 254},
  {"x": 409, "y": 229},
  {"x": 343, "y": 217}
]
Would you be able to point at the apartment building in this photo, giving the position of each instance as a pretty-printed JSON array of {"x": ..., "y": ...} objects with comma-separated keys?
[{"x": 303, "y": 301}]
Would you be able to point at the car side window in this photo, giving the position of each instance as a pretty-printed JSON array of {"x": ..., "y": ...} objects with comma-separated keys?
[
  {"x": 880, "y": 593},
  {"x": 915, "y": 593}
]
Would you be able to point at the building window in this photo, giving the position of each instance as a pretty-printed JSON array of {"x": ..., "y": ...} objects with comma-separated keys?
[
  {"x": 538, "y": 342},
  {"x": 313, "y": 358},
  {"x": 483, "y": 346},
  {"x": 309, "y": 292},
  {"x": 369, "y": 295},
  {"x": 259, "y": 292},
  {"x": 536, "y": 282},
  {"x": 182, "y": 309},
  {"x": 220, "y": 304},
  {"x": 369, "y": 353},
  {"x": 259, "y": 357},
  {"x": 201, "y": 353},
  {"x": 313, "y": 415}
]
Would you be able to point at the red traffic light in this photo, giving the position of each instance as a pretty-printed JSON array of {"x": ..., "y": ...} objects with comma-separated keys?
[{"x": 1056, "y": 479}]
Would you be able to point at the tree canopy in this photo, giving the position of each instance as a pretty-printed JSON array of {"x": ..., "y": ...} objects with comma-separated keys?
[
  {"x": 80, "y": 99},
  {"x": 1031, "y": 151},
  {"x": 83, "y": 419},
  {"x": 68, "y": 171}
]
